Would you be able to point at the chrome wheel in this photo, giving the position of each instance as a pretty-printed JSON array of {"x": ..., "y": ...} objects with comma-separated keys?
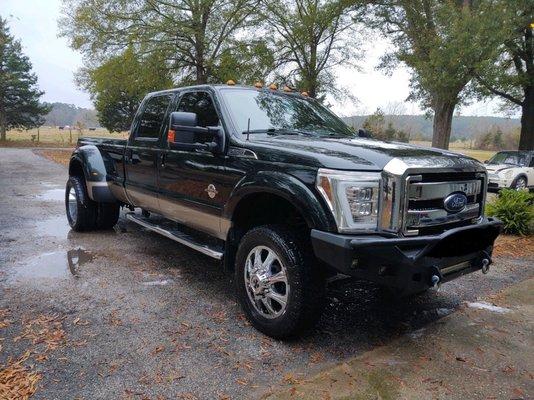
[
  {"x": 73, "y": 205},
  {"x": 266, "y": 282},
  {"x": 520, "y": 184}
]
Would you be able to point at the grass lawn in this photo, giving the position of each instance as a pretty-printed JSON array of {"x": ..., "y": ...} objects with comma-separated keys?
[
  {"x": 460, "y": 147},
  {"x": 54, "y": 137}
]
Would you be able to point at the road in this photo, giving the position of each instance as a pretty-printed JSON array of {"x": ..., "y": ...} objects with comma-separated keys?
[{"x": 129, "y": 314}]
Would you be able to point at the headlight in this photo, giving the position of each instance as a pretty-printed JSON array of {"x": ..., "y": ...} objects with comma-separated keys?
[
  {"x": 352, "y": 197},
  {"x": 508, "y": 174}
]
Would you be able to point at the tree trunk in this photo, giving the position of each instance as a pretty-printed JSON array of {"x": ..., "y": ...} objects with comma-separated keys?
[
  {"x": 441, "y": 129},
  {"x": 2, "y": 127},
  {"x": 526, "y": 139}
]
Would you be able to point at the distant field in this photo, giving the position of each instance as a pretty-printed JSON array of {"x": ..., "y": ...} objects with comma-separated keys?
[
  {"x": 54, "y": 137},
  {"x": 462, "y": 147}
]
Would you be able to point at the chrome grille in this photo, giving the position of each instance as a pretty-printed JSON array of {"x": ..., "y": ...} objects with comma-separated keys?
[{"x": 424, "y": 209}]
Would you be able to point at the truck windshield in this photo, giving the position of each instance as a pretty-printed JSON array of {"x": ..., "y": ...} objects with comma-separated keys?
[
  {"x": 509, "y": 157},
  {"x": 276, "y": 113}
]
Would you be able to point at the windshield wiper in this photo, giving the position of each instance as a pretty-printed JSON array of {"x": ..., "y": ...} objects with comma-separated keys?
[{"x": 278, "y": 131}]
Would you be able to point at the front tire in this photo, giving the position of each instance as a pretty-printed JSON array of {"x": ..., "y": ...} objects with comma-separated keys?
[
  {"x": 280, "y": 289},
  {"x": 520, "y": 183}
]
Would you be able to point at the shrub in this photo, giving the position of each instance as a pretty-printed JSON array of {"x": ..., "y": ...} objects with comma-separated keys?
[{"x": 515, "y": 209}]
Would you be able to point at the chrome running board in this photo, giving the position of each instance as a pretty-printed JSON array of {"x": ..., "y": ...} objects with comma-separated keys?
[{"x": 173, "y": 232}]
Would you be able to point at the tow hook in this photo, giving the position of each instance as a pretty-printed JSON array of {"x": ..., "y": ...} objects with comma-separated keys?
[
  {"x": 435, "y": 278},
  {"x": 485, "y": 265},
  {"x": 486, "y": 261}
]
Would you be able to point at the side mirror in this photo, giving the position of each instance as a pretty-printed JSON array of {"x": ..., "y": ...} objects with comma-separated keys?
[
  {"x": 485, "y": 161},
  {"x": 185, "y": 134}
]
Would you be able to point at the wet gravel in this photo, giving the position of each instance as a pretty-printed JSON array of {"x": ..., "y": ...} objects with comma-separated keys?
[{"x": 147, "y": 318}]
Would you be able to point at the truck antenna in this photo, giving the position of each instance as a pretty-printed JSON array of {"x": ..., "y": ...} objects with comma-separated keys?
[{"x": 248, "y": 128}]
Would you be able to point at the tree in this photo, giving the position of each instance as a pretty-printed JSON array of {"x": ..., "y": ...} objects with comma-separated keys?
[
  {"x": 510, "y": 75},
  {"x": 118, "y": 86},
  {"x": 310, "y": 38},
  {"x": 444, "y": 43},
  {"x": 19, "y": 94},
  {"x": 374, "y": 123},
  {"x": 191, "y": 36}
]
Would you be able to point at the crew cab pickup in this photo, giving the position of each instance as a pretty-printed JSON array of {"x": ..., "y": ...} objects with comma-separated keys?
[{"x": 286, "y": 195}]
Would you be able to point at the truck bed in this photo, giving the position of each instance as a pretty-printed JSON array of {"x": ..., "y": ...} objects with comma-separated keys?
[{"x": 96, "y": 141}]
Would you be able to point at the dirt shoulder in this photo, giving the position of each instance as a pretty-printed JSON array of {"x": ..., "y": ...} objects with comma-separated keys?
[{"x": 483, "y": 351}]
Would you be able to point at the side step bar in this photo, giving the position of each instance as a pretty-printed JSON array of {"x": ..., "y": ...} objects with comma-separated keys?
[{"x": 176, "y": 235}]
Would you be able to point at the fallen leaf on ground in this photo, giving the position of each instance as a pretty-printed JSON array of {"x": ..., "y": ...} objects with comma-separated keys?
[{"x": 18, "y": 382}]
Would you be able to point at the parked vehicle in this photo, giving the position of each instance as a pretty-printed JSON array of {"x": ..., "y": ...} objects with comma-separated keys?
[
  {"x": 286, "y": 195},
  {"x": 511, "y": 169}
]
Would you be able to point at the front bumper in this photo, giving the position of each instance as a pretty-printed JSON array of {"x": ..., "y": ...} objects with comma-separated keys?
[{"x": 408, "y": 263}]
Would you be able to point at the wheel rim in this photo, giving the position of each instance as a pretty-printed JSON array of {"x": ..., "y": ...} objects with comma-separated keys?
[
  {"x": 72, "y": 205},
  {"x": 521, "y": 184},
  {"x": 266, "y": 282}
]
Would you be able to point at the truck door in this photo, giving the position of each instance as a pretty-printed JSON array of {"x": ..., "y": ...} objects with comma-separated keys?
[
  {"x": 191, "y": 181},
  {"x": 142, "y": 152}
]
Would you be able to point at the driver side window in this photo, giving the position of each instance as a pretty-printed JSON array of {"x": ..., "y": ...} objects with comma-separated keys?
[{"x": 201, "y": 104}]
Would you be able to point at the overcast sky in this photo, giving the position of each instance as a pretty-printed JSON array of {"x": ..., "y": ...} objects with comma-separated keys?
[{"x": 34, "y": 22}]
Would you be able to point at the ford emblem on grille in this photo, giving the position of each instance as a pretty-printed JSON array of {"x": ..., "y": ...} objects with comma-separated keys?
[{"x": 455, "y": 202}]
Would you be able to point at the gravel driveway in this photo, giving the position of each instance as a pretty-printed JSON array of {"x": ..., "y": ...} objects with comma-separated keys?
[{"x": 129, "y": 314}]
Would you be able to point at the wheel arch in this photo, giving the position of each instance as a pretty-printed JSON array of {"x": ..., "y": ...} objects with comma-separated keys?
[
  {"x": 269, "y": 198},
  {"x": 87, "y": 162}
]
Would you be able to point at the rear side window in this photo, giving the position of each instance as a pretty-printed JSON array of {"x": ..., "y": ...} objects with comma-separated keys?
[
  {"x": 152, "y": 117},
  {"x": 201, "y": 104}
]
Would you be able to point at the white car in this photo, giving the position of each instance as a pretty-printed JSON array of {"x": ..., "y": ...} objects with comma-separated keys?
[{"x": 511, "y": 169}]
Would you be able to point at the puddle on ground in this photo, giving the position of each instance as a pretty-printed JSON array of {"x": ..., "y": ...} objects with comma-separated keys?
[
  {"x": 482, "y": 305},
  {"x": 53, "y": 265},
  {"x": 162, "y": 282},
  {"x": 50, "y": 185},
  {"x": 57, "y": 227},
  {"x": 53, "y": 195}
]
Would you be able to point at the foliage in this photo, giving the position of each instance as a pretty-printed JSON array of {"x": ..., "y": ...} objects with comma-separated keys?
[
  {"x": 510, "y": 74},
  {"x": 118, "y": 86},
  {"x": 19, "y": 94},
  {"x": 444, "y": 43},
  {"x": 193, "y": 38},
  {"x": 310, "y": 37},
  {"x": 515, "y": 209},
  {"x": 62, "y": 114},
  {"x": 496, "y": 139},
  {"x": 376, "y": 124}
]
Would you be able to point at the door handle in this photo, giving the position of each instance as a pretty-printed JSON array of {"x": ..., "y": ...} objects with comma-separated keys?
[{"x": 162, "y": 160}]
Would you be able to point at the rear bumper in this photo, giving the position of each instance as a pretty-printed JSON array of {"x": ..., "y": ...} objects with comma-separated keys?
[{"x": 408, "y": 263}]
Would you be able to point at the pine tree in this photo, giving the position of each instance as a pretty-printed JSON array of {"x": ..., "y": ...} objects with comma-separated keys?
[{"x": 19, "y": 94}]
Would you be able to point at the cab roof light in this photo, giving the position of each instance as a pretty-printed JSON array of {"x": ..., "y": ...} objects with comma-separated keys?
[
  {"x": 258, "y": 84},
  {"x": 287, "y": 89},
  {"x": 305, "y": 94},
  {"x": 230, "y": 82},
  {"x": 273, "y": 86}
]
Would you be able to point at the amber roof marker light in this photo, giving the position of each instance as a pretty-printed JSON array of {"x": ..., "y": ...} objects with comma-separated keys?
[
  {"x": 305, "y": 94},
  {"x": 230, "y": 82},
  {"x": 258, "y": 84},
  {"x": 273, "y": 86}
]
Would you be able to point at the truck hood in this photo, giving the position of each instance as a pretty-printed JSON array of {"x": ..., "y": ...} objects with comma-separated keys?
[{"x": 347, "y": 154}]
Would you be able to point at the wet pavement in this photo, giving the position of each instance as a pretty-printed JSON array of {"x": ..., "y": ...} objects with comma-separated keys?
[{"x": 144, "y": 317}]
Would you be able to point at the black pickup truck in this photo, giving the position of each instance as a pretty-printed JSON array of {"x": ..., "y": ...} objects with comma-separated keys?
[{"x": 286, "y": 195}]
